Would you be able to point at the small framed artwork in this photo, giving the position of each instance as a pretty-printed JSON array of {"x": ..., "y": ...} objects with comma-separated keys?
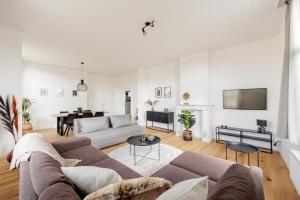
[
  {"x": 60, "y": 92},
  {"x": 158, "y": 92},
  {"x": 167, "y": 92},
  {"x": 74, "y": 93},
  {"x": 43, "y": 92}
]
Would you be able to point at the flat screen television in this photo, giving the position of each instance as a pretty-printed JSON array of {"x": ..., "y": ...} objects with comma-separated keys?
[{"x": 245, "y": 99}]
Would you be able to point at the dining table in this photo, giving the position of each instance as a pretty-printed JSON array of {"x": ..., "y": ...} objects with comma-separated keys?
[{"x": 60, "y": 118}]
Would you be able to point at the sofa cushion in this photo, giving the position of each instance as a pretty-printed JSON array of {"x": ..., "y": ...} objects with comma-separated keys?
[
  {"x": 93, "y": 124},
  {"x": 167, "y": 172},
  {"x": 59, "y": 191},
  {"x": 87, "y": 154},
  {"x": 202, "y": 165},
  {"x": 124, "y": 171},
  {"x": 88, "y": 179},
  {"x": 71, "y": 143},
  {"x": 45, "y": 171},
  {"x": 237, "y": 183},
  {"x": 120, "y": 120},
  {"x": 193, "y": 189},
  {"x": 27, "y": 192}
]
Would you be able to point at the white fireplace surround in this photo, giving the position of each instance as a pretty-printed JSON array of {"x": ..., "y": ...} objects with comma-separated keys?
[{"x": 203, "y": 128}]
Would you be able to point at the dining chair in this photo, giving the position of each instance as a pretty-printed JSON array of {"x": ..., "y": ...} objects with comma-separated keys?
[
  {"x": 69, "y": 121},
  {"x": 86, "y": 115},
  {"x": 99, "y": 114}
]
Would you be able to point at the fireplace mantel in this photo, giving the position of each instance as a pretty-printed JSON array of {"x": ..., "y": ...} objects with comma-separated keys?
[{"x": 203, "y": 128}]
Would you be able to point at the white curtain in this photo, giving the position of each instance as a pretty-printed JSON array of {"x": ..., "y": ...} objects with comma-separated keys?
[{"x": 294, "y": 74}]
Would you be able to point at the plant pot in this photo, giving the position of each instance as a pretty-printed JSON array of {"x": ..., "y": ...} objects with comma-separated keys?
[
  {"x": 187, "y": 135},
  {"x": 26, "y": 128}
]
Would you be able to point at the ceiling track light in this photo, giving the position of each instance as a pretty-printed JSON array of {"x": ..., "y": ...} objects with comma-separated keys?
[{"x": 147, "y": 25}]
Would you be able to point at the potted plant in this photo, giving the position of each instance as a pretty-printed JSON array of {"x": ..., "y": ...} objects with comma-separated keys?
[
  {"x": 26, "y": 115},
  {"x": 151, "y": 103},
  {"x": 188, "y": 120},
  {"x": 9, "y": 118}
]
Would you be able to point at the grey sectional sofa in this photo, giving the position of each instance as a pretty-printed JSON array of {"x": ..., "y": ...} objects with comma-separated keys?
[
  {"x": 106, "y": 131},
  {"x": 42, "y": 178}
]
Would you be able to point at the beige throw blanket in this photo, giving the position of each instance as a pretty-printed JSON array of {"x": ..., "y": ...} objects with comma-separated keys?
[{"x": 32, "y": 142}]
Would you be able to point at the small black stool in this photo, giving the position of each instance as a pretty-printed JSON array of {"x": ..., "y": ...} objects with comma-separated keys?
[{"x": 244, "y": 148}]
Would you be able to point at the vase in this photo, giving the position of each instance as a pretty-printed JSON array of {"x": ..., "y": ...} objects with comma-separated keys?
[
  {"x": 27, "y": 128},
  {"x": 187, "y": 135},
  {"x": 9, "y": 156}
]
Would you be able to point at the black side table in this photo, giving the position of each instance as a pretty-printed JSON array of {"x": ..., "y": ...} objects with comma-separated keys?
[{"x": 244, "y": 148}]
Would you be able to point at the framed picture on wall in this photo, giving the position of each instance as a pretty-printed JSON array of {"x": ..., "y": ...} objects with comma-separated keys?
[
  {"x": 74, "y": 93},
  {"x": 167, "y": 92},
  {"x": 60, "y": 92},
  {"x": 158, "y": 92},
  {"x": 43, "y": 92}
]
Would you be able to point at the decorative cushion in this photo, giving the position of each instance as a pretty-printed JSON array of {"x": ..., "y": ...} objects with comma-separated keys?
[
  {"x": 89, "y": 178},
  {"x": 147, "y": 188},
  {"x": 120, "y": 120},
  {"x": 193, "y": 189},
  {"x": 45, "y": 171},
  {"x": 59, "y": 191},
  {"x": 88, "y": 125},
  {"x": 236, "y": 183}
]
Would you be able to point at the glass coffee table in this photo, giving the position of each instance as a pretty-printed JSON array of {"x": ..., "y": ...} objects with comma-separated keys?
[
  {"x": 244, "y": 148},
  {"x": 141, "y": 140}
]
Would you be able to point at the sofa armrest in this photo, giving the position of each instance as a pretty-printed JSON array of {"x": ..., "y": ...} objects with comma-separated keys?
[
  {"x": 257, "y": 175},
  {"x": 72, "y": 143}
]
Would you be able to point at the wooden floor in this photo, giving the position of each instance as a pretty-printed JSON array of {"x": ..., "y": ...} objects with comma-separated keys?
[{"x": 277, "y": 183}]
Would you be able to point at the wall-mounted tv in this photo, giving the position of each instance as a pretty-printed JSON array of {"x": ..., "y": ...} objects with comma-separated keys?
[{"x": 245, "y": 99}]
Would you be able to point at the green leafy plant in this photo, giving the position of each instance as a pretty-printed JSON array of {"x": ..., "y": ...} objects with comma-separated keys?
[
  {"x": 187, "y": 119},
  {"x": 26, "y": 104}
]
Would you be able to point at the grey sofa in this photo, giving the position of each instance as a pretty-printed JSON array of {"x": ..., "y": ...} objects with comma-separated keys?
[
  {"x": 108, "y": 130},
  {"x": 42, "y": 178}
]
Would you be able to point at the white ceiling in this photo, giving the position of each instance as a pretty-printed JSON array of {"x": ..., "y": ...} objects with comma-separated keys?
[{"x": 107, "y": 33}]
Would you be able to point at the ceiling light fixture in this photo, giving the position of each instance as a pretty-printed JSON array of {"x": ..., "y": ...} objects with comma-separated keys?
[
  {"x": 82, "y": 86},
  {"x": 147, "y": 24}
]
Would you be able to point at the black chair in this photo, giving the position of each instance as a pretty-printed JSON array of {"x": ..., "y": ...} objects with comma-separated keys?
[
  {"x": 69, "y": 121},
  {"x": 99, "y": 114},
  {"x": 87, "y": 115}
]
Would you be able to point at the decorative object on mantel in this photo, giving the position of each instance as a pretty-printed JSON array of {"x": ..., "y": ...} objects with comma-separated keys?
[
  {"x": 188, "y": 120},
  {"x": 186, "y": 97},
  {"x": 10, "y": 119},
  {"x": 26, "y": 116},
  {"x": 82, "y": 86},
  {"x": 151, "y": 103},
  {"x": 158, "y": 92},
  {"x": 43, "y": 92},
  {"x": 167, "y": 92}
]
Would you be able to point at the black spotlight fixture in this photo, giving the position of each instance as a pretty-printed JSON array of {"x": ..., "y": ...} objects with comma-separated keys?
[{"x": 146, "y": 25}]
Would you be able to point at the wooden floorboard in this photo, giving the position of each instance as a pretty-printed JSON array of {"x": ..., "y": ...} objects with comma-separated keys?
[{"x": 277, "y": 184}]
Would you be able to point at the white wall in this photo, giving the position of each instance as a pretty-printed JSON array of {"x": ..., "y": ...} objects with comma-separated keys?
[
  {"x": 253, "y": 65},
  {"x": 36, "y": 76},
  {"x": 100, "y": 93},
  {"x": 10, "y": 76},
  {"x": 194, "y": 77}
]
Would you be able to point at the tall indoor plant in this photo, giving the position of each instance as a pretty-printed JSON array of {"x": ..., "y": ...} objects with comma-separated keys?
[
  {"x": 26, "y": 115},
  {"x": 9, "y": 117},
  {"x": 188, "y": 120}
]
